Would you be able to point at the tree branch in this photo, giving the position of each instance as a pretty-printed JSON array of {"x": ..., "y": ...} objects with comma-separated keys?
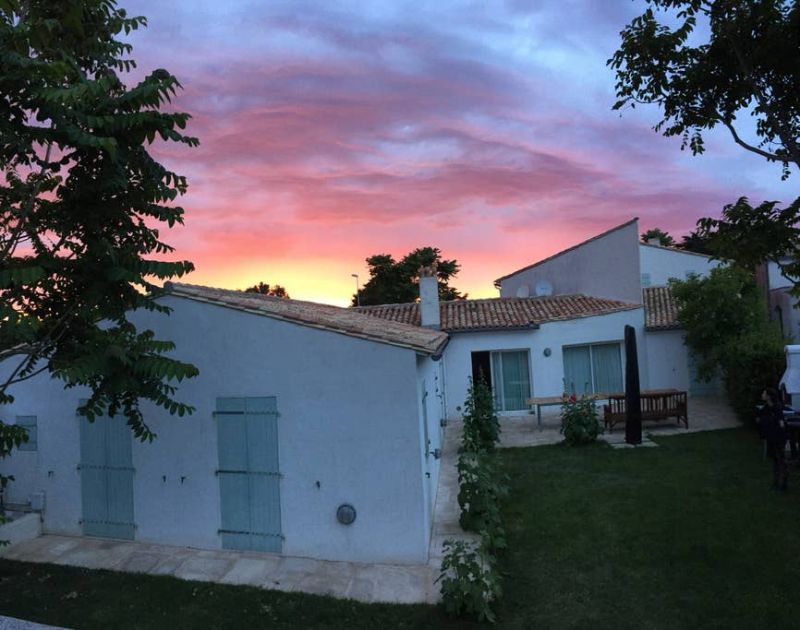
[
  {"x": 750, "y": 147},
  {"x": 786, "y": 138}
]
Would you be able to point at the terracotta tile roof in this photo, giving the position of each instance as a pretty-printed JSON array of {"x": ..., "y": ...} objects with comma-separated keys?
[
  {"x": 660, "y": 309},
  {"x": 564, "y": 251},
  {"x": 324, "y": 316},
  {"x": 502, "y": 313}
]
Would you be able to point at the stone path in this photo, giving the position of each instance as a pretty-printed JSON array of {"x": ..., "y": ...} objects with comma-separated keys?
[{"x": 362, "y": 582}]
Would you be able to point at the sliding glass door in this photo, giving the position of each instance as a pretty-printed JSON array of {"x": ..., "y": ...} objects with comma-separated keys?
[
  {"x": 511, "y": 381},
  {"x": 593, "y": 369}
]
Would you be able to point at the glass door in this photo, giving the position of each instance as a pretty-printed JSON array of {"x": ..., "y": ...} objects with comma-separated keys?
[{"x": 511, "y": 381}]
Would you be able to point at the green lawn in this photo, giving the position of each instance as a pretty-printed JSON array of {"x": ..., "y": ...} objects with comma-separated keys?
[{"x": 686, "y": 535}]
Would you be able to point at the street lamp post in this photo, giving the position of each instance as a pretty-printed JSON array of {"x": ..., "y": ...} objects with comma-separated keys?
[{"x": 358, "y": 291}]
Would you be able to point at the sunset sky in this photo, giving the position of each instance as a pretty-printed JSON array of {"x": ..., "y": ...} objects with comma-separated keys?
[{"x": 331, "y": 131}]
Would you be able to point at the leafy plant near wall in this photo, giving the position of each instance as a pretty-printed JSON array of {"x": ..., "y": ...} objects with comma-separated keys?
[
  {"x": 470, "y": 580},
  {"x": 481, "y": 426},
  {"x": 480, "y": 489},
  {"x": 579, "y": 421},
  {"x": 728, "y": 333}
]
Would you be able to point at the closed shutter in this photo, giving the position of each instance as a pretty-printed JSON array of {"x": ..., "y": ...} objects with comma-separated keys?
[
  {"x": 249, "y": 475},
  {"x": 107, "y": 478}
]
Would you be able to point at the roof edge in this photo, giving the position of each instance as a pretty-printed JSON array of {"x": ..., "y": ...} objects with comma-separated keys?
[{"x": 178, "y": 290}]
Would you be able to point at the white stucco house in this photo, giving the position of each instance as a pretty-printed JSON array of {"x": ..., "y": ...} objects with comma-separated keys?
[
  {"x": 318, "y": 429},
  {"x": 301, "y": 409},
  {"x": 558, "y": 324}
]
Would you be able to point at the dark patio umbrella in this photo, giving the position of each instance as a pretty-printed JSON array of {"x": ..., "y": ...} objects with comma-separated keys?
[{"x": 633, "y": 403}]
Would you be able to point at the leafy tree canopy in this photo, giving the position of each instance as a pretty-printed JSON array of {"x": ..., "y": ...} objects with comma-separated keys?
[
  {"x": 663, "y": 237},
  {"x": 749, "y": 66},
  {"x": 263, "y": 288},
  {"x": 716, "y": 309},
  {"x": 697, "y": 243},
  {"x": 82, "y": 206},
  {"x": 393, "y": 282}
]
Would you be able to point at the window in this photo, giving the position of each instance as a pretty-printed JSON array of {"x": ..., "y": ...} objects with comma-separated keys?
[
  {"x": 593, "y": 369},
  {"x": 646, "y": 281},
  {"x": 29, "y": 422},
  {"x": 511, "y": 381}
]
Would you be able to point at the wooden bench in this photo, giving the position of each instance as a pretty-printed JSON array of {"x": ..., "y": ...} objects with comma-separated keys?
[{"x": 657, "y": 404}]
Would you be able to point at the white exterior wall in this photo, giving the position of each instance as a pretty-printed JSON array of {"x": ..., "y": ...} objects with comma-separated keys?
[
  {"x": 776, "y": 278},
  {"x": 349, "y": 419},
  {"x": 547, "y": 373},
  {"x": 607, "y": 267},
  {"x": 668, "y": 360},
  {"x": 430, "y": 393},
  {"x": 662, "y": 264}
]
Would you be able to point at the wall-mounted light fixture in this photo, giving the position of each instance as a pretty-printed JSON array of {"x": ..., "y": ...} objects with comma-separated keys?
[{"x": 346, "y": 514}]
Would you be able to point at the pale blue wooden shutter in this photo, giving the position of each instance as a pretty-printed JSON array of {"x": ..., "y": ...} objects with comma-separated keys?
[
  {"x": 30, "y": 424},
  {"x": 249, "y": 475},
  {"x": 107, "y": 478}
]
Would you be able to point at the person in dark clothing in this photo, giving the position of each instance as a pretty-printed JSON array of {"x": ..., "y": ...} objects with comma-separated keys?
[
  {"x": 773, "y": 429},
  {"x": 791, "y": 431}
]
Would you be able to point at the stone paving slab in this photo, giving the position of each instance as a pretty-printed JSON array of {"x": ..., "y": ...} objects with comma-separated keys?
[{"x": 12, "y": 623}]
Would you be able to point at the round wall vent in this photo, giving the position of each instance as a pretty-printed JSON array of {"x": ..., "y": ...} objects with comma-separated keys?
[{"x": 346, "y": 514}]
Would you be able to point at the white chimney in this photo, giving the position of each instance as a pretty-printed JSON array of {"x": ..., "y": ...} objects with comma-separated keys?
[
  {"x": 429, "y": 297},
  {"x": 654, "y": 240},
  {"x": 791, "y": 377}
]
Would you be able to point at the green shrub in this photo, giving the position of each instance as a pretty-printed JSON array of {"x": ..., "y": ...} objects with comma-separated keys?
[
  {"x": 751, "y": 362},
  {"x": 579, "y": 421},
  {"x": 727, "y": 332},
  {"x": 480, "y": 489},
  {"x": 470, "y": 580},
  {"x": 481, "y": 426}
]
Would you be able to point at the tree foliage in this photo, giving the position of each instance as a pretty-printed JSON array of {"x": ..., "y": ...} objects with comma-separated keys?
[
  {"x": 749, "y": 65},
  {"x": 82, "y": 204},
  {"x": 727, "y": 333},
  {"x": 696, "y": 242},
  {"x": 397, "y": 282},
  {"x": 262, "y": 288},
  {"x": 664, "y": 238},
  {"x": 750, "y": 235}
]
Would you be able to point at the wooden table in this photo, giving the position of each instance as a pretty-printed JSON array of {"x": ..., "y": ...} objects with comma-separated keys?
[{"x": 543, "y": 401}]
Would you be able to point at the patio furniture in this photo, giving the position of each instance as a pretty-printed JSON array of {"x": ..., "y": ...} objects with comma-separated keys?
[
  {"x": 657, "y": 404},
  {"x": 542, "y": 401}
]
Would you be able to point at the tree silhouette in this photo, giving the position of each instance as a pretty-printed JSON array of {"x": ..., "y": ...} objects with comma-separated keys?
[
  {"x": 393, "y": 282},
  {"x": 263, "y": 288}
]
